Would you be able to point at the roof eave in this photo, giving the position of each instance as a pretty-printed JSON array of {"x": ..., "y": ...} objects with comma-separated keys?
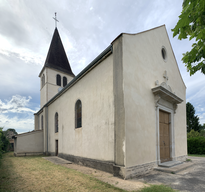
[{"x": 95, "y": 62}]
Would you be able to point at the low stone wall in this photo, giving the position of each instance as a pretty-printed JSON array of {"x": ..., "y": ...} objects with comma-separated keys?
[
  {"x": 181, "y": 158},
  {"x": 93, "y": 163},
  {"x": 28, "y": 154},
  {"x": 130, "y": 172},
  {"x": 119, "y": 171}
]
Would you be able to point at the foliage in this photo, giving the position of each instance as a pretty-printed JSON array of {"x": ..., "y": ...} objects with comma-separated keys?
[
  {"x": 9, "y": 132},
  {"x": 192, "y": 119},
  {"x": 192, "y": 134},
  {"x": 4, "y": 142},
  {"x": 192, "y": 23},
  {"x": 157, "y": 188},
  {"x": 196, "y": 145},
  {"x": 1, "y": 143},
  {"x": 195, "y": 155},
  {"x": 202, "y": 132}
]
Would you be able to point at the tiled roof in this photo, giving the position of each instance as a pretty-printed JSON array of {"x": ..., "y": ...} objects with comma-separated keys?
[{"x": 56, "y": 57}]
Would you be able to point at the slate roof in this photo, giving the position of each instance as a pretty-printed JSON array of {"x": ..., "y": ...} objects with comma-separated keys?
[{"x": 56, "y": 57}]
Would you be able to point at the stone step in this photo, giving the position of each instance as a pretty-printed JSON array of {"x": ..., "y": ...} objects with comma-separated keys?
[
  {"x": 170, "y": 163},
  {"x": 175, "y": 168}
]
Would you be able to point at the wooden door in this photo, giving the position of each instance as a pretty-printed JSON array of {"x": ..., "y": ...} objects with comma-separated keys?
[
  {"x": 56, "y": 147},
  {"x": 164, "y": 136}
]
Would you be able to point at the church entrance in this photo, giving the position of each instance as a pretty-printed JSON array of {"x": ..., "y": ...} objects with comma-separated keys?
[
  {"x": 164, "y": 133},
  {"x": 56, "y": 147}
]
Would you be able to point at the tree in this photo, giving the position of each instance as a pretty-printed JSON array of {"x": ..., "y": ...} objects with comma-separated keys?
[
  {"x": 4, "y": 142},
  {"x": 10, "y": 132},
  {"x": 192, "y": 23},
  {"x": 192, "y": 119},
  {"x": 202, "y": 133},
  {"x": 1, "y": 143},
  {"x": 193, "y": 133}
]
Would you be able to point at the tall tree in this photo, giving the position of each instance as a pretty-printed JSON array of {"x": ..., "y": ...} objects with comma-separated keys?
[
  {"x": 192, "y": 23},
  {"x": 192, "y": 119},
  {"x": 10, "y": 132}
]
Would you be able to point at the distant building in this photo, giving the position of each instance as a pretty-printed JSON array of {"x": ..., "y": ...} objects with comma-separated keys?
[{"x": 124, "y": 113}]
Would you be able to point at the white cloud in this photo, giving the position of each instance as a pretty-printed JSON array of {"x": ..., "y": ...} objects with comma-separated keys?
[
  {"x": 86, "y": 29},
  {"x": 16, "y": 113},
  {"x": 23, "y": 54},
  {"x": 19, "y": 124},
  {"x": 17, "y": 104}
]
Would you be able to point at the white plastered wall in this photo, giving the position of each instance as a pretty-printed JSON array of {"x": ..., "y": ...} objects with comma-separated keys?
[
  {"x": 50, "y": 89},
  {"x": 95, "y": 139},
  {"x": 31, "y": 142},
  {"x": 142, "y": 66}
]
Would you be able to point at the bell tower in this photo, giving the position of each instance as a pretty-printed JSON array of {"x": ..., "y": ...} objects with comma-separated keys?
[{"x": 56, "y": 72}]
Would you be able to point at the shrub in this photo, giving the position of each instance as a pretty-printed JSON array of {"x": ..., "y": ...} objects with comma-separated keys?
[
  {"x": 1, "y": 145},
  {"x": 4, "y": 142},
  {"x": 202, "y": 133},
  {"x": 196, "y": 145},
  {"x": 193, "y": 133}
]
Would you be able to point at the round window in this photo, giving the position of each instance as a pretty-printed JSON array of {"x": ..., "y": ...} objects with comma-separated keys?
[{"x": 164, "y": 53}]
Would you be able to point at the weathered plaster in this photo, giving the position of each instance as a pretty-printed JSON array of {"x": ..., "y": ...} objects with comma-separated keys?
[
  {"x": 119, "y": 109},
  {"x": 95, "y": 140}
]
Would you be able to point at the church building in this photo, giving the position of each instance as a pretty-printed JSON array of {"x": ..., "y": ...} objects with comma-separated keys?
[{"x": 125, "y": 113}]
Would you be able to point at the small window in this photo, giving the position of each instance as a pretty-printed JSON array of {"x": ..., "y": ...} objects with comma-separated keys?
[
  {"x": 78, "y": 114},
  {"x": 56, "y": 122},
  {"x": 64, "y": 81},
  {"x": 42, "y": 81},
  {"x": 58, "y": 80},
  {"x": 164, "y": 53},
  {"x": 42, "y": 122}
]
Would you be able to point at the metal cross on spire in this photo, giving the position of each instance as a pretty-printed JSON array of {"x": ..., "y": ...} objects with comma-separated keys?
[{"x": 55, "y": 18}]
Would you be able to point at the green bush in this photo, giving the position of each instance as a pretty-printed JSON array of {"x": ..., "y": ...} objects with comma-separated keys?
[
  {"x": 196, "y": 145},
  {"x": 202, "y": 133},
  {"x": 4, "y": 142},
  {"x": 193, "y": 133}
]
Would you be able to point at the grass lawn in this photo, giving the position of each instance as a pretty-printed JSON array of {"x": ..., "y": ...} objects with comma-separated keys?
[
  {"x": 157, "y": 188},
  {"x": 196, "y": 155},
  {"x": 38, "y": 174}
]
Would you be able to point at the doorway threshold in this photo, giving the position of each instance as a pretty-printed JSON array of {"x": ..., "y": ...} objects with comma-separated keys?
[
  {"x": 174, "y": 167},
  {"x": 170, "y": 164}
]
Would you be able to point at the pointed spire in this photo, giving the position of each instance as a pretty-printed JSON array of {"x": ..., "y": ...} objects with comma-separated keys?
[{"x": 56, "y": 57}]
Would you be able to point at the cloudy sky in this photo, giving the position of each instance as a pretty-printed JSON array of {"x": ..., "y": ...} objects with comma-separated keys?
[{"x": 86, "y": 29}]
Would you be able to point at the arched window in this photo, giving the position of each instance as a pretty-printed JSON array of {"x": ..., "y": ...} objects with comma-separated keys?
[
  {"x": 56, "y": 122},
  {"x": 78, "y": 114},
  {"x": 58, "y": 80},
  {"x": 64, "y": 81},
  {"x": 42, "y": 81},
  {"x": 41, "y": 121}
]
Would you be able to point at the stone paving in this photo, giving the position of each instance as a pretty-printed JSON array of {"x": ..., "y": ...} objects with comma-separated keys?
[
  {"x": 57, "y": 160},
  {"x": 175, "y": 169},
  {"x": 188, "y": 180}
]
